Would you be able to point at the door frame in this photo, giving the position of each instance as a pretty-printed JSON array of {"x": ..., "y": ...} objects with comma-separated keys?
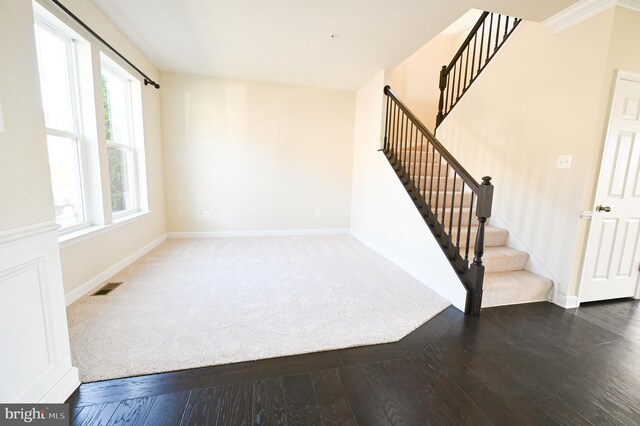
[{"x": 619, "y": 76}]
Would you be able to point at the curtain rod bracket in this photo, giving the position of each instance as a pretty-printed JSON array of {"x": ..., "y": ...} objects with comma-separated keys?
[{"x": 151, "y": 82}]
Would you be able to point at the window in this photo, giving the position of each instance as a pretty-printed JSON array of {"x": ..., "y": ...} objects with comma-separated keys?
[
  {"x": 58, "y": 80},
  {"x": 75, "y": 100},
  {"x": 117, "y": 88}
]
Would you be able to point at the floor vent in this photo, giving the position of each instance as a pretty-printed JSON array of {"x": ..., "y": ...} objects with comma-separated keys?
[{"x": 108, "y": 288}]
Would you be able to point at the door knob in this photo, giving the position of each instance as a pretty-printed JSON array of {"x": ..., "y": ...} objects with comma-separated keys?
[{"x": 605, "y": 209}]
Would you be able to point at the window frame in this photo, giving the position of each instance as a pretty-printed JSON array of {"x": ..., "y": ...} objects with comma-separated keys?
[
  {"x": 111, "y": 67},
  {"x": 70, "y": 40},
  {"x": 89, "y": 56}
]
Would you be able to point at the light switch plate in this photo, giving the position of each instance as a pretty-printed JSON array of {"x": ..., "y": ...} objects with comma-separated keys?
[{"x": 564, "y": 162}]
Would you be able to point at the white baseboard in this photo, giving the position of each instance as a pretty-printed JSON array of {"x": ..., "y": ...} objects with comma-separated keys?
[
  {"x": 273, "y": 233},
  {"x": 448, "y": 293},
  {"x": 567, "y": 302},
  {"x": 62, "y": 390},
  {"x": 94, "y": 282}
]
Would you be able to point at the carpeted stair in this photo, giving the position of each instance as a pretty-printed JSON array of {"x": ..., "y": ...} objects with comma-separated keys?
[{"x": 506, "y": 282}]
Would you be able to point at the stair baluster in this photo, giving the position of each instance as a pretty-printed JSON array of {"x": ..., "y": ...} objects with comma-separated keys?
[
  {"x": 404, "y": 136},
  {"x": 453, "y": 82}
]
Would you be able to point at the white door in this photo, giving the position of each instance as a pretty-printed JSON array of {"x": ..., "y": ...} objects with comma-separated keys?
[{"x": 612, "y": 259}]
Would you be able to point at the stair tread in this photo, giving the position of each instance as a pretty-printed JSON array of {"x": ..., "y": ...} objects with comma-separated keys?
[
  {"x": 490, "y": 228},
  {"x": 493, "y": 237},
  {"x": 487, "y": 230},
  {"x": 455, "y": 209},
  {"x": 442, "y": 175},
  {"x": 503, "y": 251},
  {"x": 457, "y": 193},
  {"x": 503, "y": 258}
]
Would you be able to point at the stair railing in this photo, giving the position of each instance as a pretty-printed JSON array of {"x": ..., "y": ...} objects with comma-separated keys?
[
  {"x": 446, "y": 195},
  {"x": 485, "y": 39}
]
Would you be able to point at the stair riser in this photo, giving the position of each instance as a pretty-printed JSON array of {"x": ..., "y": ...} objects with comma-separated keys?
[
  {"x": 426, "y": 171},
  {"x": 463, "y": 226},
  {"x": 524, "y": 295},
  {"x": 451, "y": 186},
  {"x": 515, "y": 287},
  {"x": 456, "y": 216},
  {"x": 446, "y": 200},
  {"x": 421, "y": 154},
  {"x": 505, "y": 263},
  {"x": 426, "y": 167},
  {"x": 421, "y": 159},
  {"x": 466, "y": 204},
  {"x": 456, "y": 197},
  {"x": 493, "y": 239}
]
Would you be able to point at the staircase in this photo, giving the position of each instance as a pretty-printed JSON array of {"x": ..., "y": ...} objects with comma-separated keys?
[{"x": 452, "y": 203}]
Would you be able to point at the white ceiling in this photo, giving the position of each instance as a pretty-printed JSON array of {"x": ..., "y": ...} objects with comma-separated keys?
[{"x": 288, "y": 41}]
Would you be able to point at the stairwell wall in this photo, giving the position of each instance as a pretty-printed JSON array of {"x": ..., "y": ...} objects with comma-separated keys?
[
  {"x": 416, "y": 79},
  {"x": 382, "y": 214},
  {"x": 542, "y": 96}
]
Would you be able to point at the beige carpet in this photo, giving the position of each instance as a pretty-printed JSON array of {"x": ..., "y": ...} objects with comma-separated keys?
[{"x": 193, "y": 303}]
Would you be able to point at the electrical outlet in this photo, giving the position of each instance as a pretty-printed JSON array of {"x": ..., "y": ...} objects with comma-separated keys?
[
  {"x": 564, "y": 162},
  {"x": 206, "y": 215},
  {"x": 318, "y": 213}
]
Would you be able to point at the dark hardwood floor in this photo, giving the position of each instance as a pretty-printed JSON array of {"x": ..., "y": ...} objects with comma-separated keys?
[{"x": 532, "y": 364}]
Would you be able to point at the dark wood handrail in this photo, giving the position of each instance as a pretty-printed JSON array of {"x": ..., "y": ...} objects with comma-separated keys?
[
  {"x": 461, "y": 171},
  {"x": 442, "y": 190},
  {"x": 467, "y": 40}
]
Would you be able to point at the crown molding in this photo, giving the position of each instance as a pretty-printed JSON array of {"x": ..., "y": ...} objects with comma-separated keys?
[
  {"x": 577, "y": 13},
  {"x": 583, "y": 10},
  {"x": 630, "y": 4}
]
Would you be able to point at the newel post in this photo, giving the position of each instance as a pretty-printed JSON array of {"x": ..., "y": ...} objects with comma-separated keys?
[
  {"x": 385, "y": 146},
  {"x": 476, "y": 270},
  {"x": 443, "y": 86}
]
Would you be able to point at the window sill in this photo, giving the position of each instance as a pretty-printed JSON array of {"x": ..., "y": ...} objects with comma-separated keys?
[{"x": 71, "y": 238}]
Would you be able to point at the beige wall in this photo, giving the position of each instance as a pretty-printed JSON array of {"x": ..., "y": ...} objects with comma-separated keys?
[
  {"x": 382, "y": 214},
  {"x": 85, "y": 260},
  {"x": 257, "y": 156},
  {"x": 25, "y": 186},
  {"x": 542, "y": 96},
  {"x": 416, "y": 80},
  {"x": 623, "y": 49},
  {"x": 624, "y": 55}
]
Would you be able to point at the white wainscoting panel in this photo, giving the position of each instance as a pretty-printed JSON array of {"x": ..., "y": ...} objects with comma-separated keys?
[{"x": 35, "y": 361}]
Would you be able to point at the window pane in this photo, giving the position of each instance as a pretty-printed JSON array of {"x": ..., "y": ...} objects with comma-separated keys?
[
  {"x": 53, "y": 61},
  {"x": 121, "y": 179},
  {"x": 66, "y": 182},
  {"x": 116, "y": 114}
]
